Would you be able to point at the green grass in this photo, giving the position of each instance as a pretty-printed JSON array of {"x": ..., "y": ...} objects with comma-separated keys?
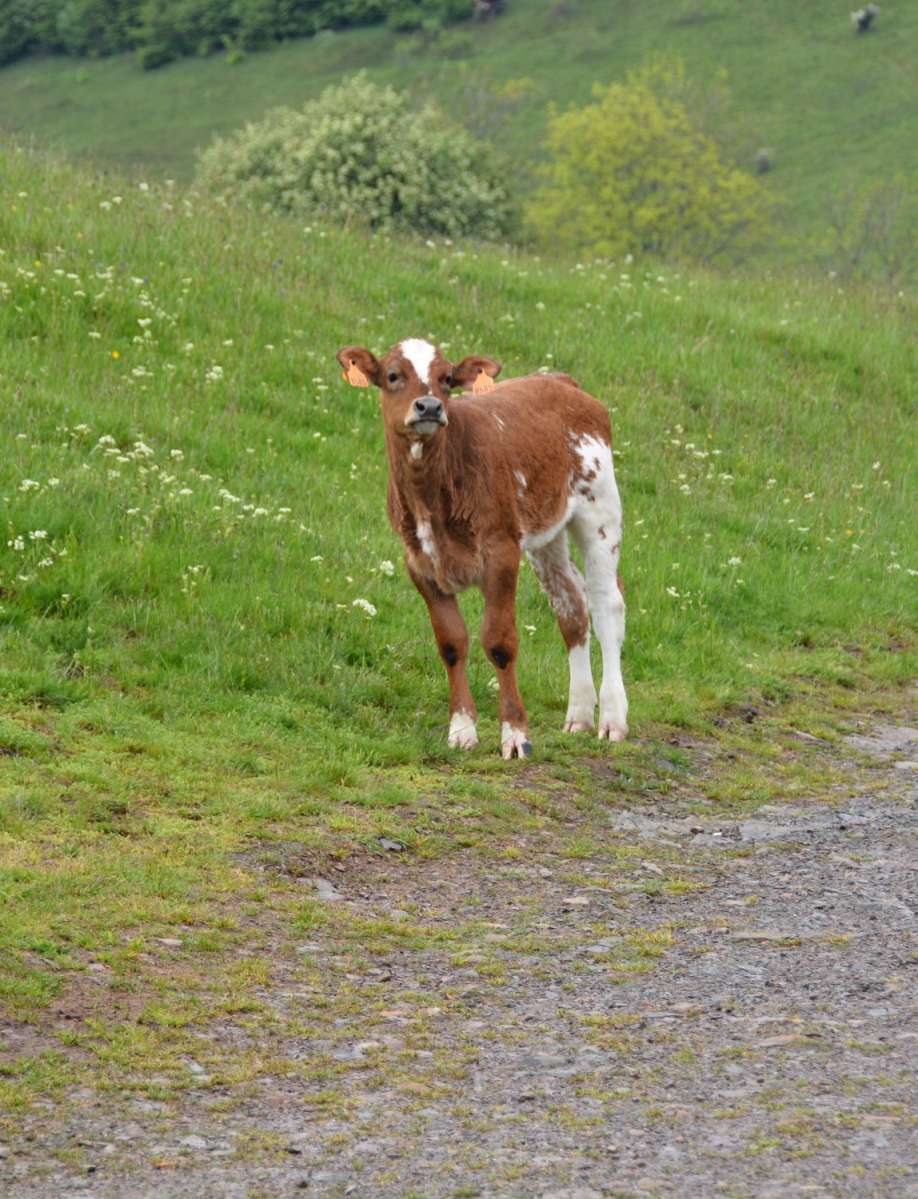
[
  {"x": 833, "y": 107},
  {"x": 184, "y": 677}
]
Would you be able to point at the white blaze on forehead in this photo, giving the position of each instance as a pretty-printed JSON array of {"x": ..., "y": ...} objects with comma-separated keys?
[{"x": 420, "y": 354}]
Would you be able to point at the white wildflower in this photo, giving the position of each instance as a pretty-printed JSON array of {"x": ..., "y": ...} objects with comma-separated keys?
[{"x": 364, "y": 605}]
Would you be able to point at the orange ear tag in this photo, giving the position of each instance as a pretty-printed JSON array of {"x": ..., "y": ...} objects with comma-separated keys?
[
  {"x": 355, "y": 376},
  {"x": 483, "y": 383}
]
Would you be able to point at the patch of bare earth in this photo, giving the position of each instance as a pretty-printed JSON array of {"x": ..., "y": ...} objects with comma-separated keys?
[{"x": 703, "y": 1005}]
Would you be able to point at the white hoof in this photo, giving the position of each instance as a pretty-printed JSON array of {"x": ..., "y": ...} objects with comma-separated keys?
[
  {"x": 514, "y": 743},
  {"x": 578, "y": 726},
  {"x": 462, "y": 731},
  {"x": 608, "y": 730}
]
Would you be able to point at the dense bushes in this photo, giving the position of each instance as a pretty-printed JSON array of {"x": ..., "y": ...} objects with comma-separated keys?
[
  {"x": 357, "y": 154},
  {"x": 163, "y": 30}
]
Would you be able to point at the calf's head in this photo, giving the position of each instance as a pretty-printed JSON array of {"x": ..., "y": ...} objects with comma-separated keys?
[{"x": 415, "y": 381}]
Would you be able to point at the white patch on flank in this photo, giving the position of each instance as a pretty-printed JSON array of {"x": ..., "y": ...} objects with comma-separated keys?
[
  {"x": 417, "y": 449},
  {"x": 425, "y": 536},
  {"x": 596, "y": 457},
  {"x": 513, "y": 741},
  {"x": 520, "y": 478},
  {"x": 462, "y": 731},
  {"x": 420, "y": 354}
]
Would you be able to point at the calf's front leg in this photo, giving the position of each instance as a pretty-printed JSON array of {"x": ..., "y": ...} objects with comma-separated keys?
[
  {"x": 453, "y": 644},
  {"x": 501, "y": 644}
]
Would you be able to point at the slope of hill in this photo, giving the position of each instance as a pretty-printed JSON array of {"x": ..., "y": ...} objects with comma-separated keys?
[
  {"x": 193, "y": 511},
  {"x": 834, "y": 108}
]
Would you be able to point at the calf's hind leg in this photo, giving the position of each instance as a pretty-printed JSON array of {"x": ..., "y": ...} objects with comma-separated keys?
[
  {"x": 453, "y": 644},
  {"x": 601, "y": 546},
  {"x": 563, "y": 583}
]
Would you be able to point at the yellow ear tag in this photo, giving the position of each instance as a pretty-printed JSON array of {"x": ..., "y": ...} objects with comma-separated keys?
[
  {"x": 483, "y": 382},
  {"x": 355, "y": 376}
]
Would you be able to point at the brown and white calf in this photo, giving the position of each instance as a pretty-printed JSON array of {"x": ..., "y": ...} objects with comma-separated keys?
[{"x": 477, "y": 481}]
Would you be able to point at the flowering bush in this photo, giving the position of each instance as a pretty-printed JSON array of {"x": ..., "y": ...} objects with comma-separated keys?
[{"x": 358, "y": 154}]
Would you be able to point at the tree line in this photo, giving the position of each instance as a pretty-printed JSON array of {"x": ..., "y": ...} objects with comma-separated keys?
[{"x": 161, "y": 31}]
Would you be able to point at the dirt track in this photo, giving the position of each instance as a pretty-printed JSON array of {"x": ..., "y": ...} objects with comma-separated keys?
[{"x": 752, "y": 1036}]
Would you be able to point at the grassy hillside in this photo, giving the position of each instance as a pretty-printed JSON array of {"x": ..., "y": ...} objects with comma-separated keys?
[
  {"x": 833, "y": 107},
  {"x": 193, "y": 502}
]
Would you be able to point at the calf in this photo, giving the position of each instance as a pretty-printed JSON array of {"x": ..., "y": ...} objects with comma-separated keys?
[{"x": 476, "y": 482}]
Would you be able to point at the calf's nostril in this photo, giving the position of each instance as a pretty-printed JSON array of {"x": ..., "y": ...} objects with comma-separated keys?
[{"x": 431, "y": 408}]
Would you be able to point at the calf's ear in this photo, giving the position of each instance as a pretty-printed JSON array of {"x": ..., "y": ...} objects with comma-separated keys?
[
  {"x": 360, "y": 366},
  {"x": 477, "y": 372}
]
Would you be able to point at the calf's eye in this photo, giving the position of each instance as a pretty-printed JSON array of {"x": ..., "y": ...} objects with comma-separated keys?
[{"x": 393, "y": 376}]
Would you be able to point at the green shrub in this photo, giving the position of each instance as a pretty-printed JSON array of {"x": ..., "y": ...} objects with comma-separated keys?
[
  {"x": 634, "y": 172},
  {"x": 18, "y": 29},
  {"x": 357, "y": 154}
]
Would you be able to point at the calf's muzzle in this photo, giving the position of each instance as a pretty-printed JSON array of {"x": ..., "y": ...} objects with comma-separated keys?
[{"x": 427, "y": 414}]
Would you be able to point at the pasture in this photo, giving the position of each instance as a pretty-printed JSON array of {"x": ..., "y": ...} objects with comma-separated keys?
[{"x": 201, "y": 716}]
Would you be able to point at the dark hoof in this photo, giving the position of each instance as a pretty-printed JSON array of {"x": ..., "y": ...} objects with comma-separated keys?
[{"x": 526, "y": 749}]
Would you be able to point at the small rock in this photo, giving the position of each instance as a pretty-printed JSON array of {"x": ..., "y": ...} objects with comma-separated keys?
[
  {"x": 172, "y": 942},
  {"x": 399, "y": 914},
  {"x": 193, "y": 1142},
  {"x": 575, "y": 901},
  {"x": 907, "y": 766},
  {"x": 324, "y": 889},
  {"x": 392, "y": 845},
  {"x": 724, "y": 1003},
  {"x": 543, "y": 1061}
]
